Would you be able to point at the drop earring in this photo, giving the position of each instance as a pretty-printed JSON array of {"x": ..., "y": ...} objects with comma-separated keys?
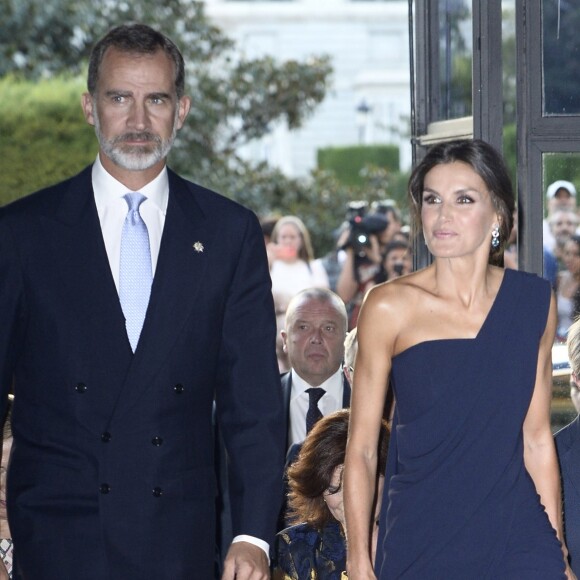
[{"x": 495, "y": 237}]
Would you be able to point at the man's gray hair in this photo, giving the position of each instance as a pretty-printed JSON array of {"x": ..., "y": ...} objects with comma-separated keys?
[{"x": 322, "y": 295}]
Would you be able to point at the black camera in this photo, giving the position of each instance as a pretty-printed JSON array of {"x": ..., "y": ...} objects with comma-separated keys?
[{"x": 362, "y": 225}]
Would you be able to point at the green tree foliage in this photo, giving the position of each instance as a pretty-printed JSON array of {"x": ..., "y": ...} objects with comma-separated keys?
[
  {"x": 45, "y": 138},
  {"x": 347, "y": 163},
  {"x": 321, "y": 201},
  {"x": 234, "y": 101},
  {"x": 43, "y": 38}
]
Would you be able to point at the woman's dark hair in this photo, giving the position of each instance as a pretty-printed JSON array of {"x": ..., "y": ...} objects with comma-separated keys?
[
  {"x": 488, "y": 164},
  {"x": 136, "y": 39},
  {"x": 310, "y": 475},
  {"x": 396, "y": 245}
]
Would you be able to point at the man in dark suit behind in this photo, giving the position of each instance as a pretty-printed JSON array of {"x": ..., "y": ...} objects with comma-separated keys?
[
  {"x": 111, "y": 472},
  {"x": 316, "y": 323}
]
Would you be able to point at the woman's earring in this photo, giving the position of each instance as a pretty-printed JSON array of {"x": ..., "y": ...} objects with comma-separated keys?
[{"x": 495, "y": 237}]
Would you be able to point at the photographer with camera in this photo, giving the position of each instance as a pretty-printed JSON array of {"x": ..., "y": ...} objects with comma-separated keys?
[{"x": 363, "y": 240}]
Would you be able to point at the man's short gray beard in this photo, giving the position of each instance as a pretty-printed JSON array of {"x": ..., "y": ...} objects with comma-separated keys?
[{"x": 135, "y": 158}]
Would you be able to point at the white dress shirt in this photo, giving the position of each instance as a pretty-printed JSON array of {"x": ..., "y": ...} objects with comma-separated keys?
[
  {"x": 299, "y": 400},
  {"x": 112, "y": 210}
]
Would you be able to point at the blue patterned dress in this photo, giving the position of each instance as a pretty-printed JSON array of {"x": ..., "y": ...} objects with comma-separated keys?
[{"x": 304, "y": 553}]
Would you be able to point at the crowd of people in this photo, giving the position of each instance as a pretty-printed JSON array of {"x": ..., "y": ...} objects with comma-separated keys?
[
  {"x": 363, "y": 422},
  {"x": 562, "y": 250},
  {"x": 373, "y": 246}
]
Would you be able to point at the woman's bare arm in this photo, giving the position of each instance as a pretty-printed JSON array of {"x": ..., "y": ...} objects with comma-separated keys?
[{"x": 376, "y": 338}]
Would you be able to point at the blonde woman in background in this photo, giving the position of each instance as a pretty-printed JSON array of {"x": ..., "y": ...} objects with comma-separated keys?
[{"x": 292, "y": 269}]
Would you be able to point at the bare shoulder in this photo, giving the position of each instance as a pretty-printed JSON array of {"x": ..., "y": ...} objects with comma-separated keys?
[
  {"x": 401, "y": 292},
  {"x": 394, "y": 302}
]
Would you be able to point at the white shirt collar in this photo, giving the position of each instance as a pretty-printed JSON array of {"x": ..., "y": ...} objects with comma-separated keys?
[
  {"x": 333, "y": 385},
  {"x": 299, "y": 400},
  {"x": 108, "y": 190}
]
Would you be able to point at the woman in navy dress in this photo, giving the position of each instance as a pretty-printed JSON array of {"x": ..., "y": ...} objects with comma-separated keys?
[{"x": 473, "y": 486}]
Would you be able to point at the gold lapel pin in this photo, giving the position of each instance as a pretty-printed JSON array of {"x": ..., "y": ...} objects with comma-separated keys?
[{"x": 198, "y": 247}]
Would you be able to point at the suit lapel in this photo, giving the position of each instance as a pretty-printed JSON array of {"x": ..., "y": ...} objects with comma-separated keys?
[
  {"x": 184, "y": 255},
  {"x": 88, "y": 304},
  {"x": 286, "y": 382},
  {"x": 84, "y": 266}
]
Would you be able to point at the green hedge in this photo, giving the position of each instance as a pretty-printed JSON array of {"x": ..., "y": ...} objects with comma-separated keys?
[
  {"x": 348, "y": 163},
  {"x": 44, "y": 137}
]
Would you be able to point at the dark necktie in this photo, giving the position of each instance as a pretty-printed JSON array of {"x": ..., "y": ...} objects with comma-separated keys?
[{"x": 314, "y": 412}]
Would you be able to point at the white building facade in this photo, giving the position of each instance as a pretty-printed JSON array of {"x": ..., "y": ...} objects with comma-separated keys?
[{"x": 368, "y": 101}]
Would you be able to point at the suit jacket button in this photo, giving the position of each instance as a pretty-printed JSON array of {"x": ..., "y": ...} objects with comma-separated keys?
[
  {"x": 157, "y": 492},
  {"x": 179, "y": 388},
  {"x": 157, "y": 441},
  {"x": 105, "y": 437},
  {"x": 105, "y": 488},
  {"x": 81, "y": 388}
]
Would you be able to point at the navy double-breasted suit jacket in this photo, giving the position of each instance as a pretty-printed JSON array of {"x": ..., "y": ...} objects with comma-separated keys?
[{"x": 111, "y": 472}]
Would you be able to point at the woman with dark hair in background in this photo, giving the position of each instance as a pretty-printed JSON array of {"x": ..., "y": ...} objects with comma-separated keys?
[
  {"x": 315, "y": 546},
  {"x": 397, "y": 261},
  {"x": 474, "y": 489}
]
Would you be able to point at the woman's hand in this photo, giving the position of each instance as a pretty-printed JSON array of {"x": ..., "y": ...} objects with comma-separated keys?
[
  {"x": 360, "y": 572},
  {"x": 3, "y": 571}
]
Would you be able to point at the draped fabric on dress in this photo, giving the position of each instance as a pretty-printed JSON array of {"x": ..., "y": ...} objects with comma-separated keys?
[{"x": 460, "y": 503}]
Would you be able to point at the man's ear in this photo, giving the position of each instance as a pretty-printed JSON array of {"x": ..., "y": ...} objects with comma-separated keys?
[
  {"x": 284, "y": 336},
  {"x": 87, "y": 105},
  {"x": 183, "y": 106}
]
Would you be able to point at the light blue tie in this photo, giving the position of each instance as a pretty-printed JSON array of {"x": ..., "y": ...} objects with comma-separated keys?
[{"x": 135, "y": 275}]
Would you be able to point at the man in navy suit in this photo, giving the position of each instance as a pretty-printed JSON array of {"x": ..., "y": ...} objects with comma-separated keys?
[{"x": 111, "y": 472}]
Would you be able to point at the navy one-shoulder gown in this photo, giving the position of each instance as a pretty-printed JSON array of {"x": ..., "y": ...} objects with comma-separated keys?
[{"x": 460, "y": 503}]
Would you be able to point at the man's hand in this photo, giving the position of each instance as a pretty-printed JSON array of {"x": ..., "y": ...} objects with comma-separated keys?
[{"x": 245, "y": 561}]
